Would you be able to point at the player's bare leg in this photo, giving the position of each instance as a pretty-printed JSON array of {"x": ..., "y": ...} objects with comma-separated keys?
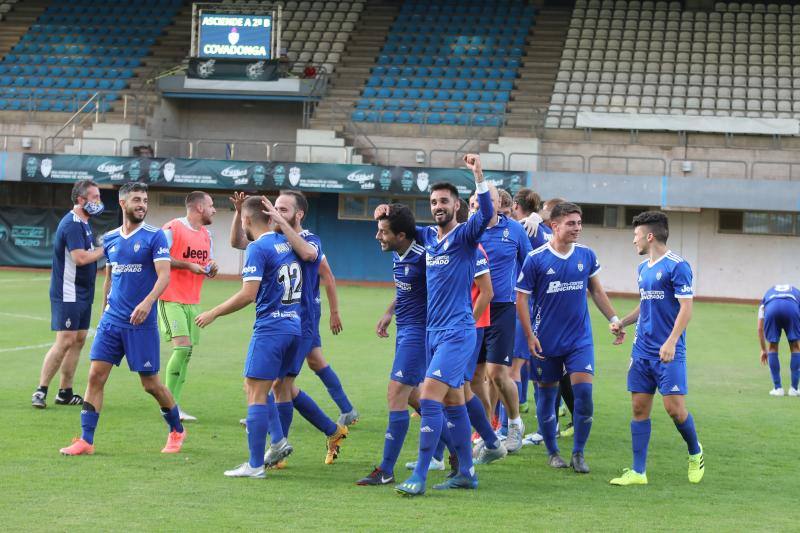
[
  {"x": 481, "y": 389},
  {"x": 99, "y": 371},
  {"x": 59, "y": 356},
  {"x": 153, "y": 386},
  {"x": 507, "y": 393}
]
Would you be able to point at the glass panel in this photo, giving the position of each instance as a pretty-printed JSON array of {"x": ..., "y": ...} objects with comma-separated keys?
[
  {"x": 422, "y": 209},
  {"x": 354, "y": 206},
  {"x": 631, "y": 212},
  {"x": 592, "y": 215},
  {"x": 611, "y": 216},
  {"x": 731, "y": 221},
  {"x": 781, "y": 223},
  {"x": 756, "y": 222}
]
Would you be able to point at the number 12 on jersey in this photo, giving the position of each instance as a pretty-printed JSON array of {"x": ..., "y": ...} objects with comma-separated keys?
[{"x": 291, "y": 277}]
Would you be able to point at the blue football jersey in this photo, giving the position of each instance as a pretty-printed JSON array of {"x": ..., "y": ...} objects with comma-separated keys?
[
  {"x": 507, "y": 245},
  {"x": 133, "y": 272},
  {"x": 411, "y": 297},
  {"x": 271, "y": 260},
  {"x": 543, "y": 236},
  {"x": 557, "y": 285},
  {"x": 779, "y": 292},
  {"x": 450, "y": 268},
  {"x": 660, "y": 286},
  {"x": 69, "y": 282},
  {"x": 309, "y": 305}
]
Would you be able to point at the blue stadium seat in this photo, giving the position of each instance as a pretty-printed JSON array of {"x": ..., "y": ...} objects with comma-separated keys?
[
  {"x": 388, "y": 117},
  {"x": 362, "y": 103},
  {"x": 490, "y": 85},
  {"x": 384, "y": 92},
  {"x": 403, "y": 117},
  {"x": 443, "y": 95},
  {"x": 473, "y": 96},
  {"x": 392, "y": 105},
  {"x": 378, "y": 104},
  {"x": 407, "y": 105},
  {"x": 413, "y": 93},
  {"x": 371, "y": 116},
  {"x": 423, "y": 106},
  {"x": 399, "y": 93}
]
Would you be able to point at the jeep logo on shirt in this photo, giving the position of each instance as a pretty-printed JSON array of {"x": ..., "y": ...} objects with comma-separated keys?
[{"x": 200, "y": 255}]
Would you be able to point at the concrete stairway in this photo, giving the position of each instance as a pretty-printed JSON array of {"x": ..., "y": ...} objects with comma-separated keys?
[
  {"x": 360, "y": 54},
  {"x": 17, "y": 21},
  {"x": 538, "y": 72}
]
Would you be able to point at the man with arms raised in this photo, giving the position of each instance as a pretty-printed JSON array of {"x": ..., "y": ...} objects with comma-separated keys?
[
  {"x": 272, "y": 278},
  {"x": 71, "y": 293},
  {"x": 191, "y": 259},
  {"x": 137, "y": 273},
  {"x": 287, "y": 214},
  {"x": 658, "y": 360},
  {"x": 450, "y": 267},
  {"x": 559, "y": 331}
]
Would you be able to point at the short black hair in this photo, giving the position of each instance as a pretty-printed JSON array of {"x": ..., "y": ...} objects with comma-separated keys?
[
  {"x": 401, "y": 220},
  {"x": 132, "y": 186},
  {"x": 195, "y": 196},
  {"x": 564, "y": 209},
  {"x": 81, "y": 188},
  {"x": 529, "y": 200},
  {"x": 462, "y": 213},
  {"x": 300, "y": 201},
  {"x": 255, "y": 209},
  {"x": 657, "y": 223},
  {"x": 444, "y": 185}
]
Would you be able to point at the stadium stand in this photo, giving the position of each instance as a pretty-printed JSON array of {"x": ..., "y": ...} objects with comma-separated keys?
[
  {"x": 739, "y": 60},
  {"x": 314, "y": 32},
  {"x": 437, "y": 67},
  {"x": 77, "y": 48}
]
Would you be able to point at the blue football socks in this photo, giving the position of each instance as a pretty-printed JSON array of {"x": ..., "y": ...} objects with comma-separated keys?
[
  {"x": 640, "y": 440},
  {"x": 775, "y": 368},
  {"x": 394, "y": 438},
  {"x": 257, "y": 426},
  {"x": 584, "y": 411},
  {"x": 795, "y": 368},
  {"x": 285, "y": 415},
  {"x": 458, "y": 422},
  {"x": 431, "y": 420},
  {"x": 334, "y": 386},
  {"x": 89, "y": 424},
  {"x": 689, "y": 434},
  {"x": 479, "y": 420},
  {"x": 309, "y": 410},
  {"x": 275, "y": 427},
  {"x": 173, "y": 418},
  {"x": 546, "y": 414}
]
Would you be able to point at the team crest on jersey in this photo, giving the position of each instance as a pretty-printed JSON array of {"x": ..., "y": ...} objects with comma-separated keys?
[
  {"x": 446, "y": 245},
  {"x": 539, "y": 370},
  {"x": 580, "y": 267},
  {"x": 658, "y": 275},
  {"x": 68, "y": 323},
  {"x": 407, "y": 270},
  {"x": 136, "y": 247},
  {"x": 506, "y": 233}
]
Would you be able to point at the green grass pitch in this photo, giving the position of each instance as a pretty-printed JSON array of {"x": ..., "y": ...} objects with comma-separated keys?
[{"x": 750, "y": 441}]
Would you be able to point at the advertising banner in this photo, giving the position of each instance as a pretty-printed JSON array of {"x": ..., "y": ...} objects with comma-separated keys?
[
  {"x": 233, "y": 69},
  {"x": 27, "y": 233},
  {"x": 235, "y": 36},
  {"x": 258, "y": 175}
]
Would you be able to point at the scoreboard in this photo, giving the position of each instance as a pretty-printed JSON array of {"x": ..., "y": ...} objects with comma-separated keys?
[{"x": 235, "y": 36}]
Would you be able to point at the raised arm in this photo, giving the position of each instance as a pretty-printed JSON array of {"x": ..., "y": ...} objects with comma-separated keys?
[
  {"x": 327, "y": 279},
  {"x": 304, "y": 250},
  {"x": 238, "y": 238},
  {"x": 477, "y": 224}
]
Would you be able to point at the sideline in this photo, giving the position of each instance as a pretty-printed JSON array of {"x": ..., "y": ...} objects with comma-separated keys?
[{"x": 26, "y": 317}]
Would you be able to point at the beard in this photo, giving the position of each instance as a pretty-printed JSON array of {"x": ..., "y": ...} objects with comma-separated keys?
[
  {"x": 134, "y": 216},
  {"x": 448, "y": 217}
]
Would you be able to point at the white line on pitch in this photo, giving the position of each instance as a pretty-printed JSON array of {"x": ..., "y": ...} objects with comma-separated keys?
[
  {"x": 14, "y": 280},
  {"x": 28, "y": 317},
  {"x": 23, "y": 348}
]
